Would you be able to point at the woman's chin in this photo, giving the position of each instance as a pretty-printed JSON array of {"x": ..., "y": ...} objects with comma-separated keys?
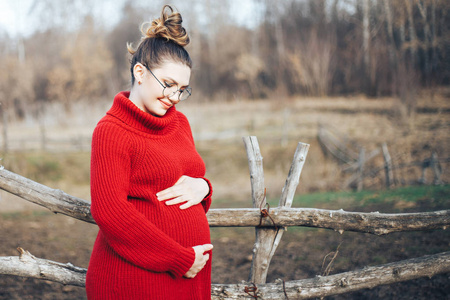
[{"x": 158, "y": 113}]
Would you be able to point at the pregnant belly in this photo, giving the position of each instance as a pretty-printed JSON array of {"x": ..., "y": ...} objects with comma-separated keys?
[{"x": 189, "y": 227}]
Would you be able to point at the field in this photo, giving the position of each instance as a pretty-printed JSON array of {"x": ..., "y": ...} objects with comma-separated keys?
[
  {"x": 218, "y": 129},
  {"x": 300, "y": 255}
]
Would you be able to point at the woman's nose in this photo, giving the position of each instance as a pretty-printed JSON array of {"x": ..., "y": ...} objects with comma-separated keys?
[{"x": 173, "y": 98}]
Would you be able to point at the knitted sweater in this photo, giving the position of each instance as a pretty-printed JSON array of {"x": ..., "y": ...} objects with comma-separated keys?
[{"x": 144, "y": 247}]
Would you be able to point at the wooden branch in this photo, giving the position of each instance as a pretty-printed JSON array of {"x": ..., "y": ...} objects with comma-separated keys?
[
  {"x": 27, "y": 265},
  {"x": 354, "y": 166},
  {"x": 369, "y": 277},
  {"x": 389, "y": 174},
  {"x": 427, "y": 266},
  {"x": 287, "y": 194},
  {"x": 255, "y": 166},
  {"x": 261, "y": 249},
  {"x": 437, "y": 169},
  {"x": 55, "y": 200},
  {"x": 338, "y": 220},
  {"x": 335, "y": 146},
  {"x": 360, "y": 172},
  {"x": 267, "y": 239},
  {"x": 374, "y": 223},
  {"x": 292, "y": 181}
]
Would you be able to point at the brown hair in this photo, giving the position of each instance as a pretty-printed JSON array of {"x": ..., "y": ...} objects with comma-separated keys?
[{"x": 162, "y": 39}]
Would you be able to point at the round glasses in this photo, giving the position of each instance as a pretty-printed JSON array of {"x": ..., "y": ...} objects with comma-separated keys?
[{"x": 172, "y": 90}]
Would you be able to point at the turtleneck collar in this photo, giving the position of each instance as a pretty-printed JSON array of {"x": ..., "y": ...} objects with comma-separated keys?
[{"x": 130, "y": 114}]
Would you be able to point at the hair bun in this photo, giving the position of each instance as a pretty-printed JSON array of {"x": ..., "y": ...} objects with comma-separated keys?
[{"x": 168, "y": 26}]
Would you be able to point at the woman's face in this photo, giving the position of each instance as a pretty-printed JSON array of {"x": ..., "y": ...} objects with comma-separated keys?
[{"x": 149, "y": 94}]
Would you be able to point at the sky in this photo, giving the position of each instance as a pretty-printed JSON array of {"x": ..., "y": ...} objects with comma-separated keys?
[
  {"x": 12, "y": 15},
  {"x": 16, "y": 16}
]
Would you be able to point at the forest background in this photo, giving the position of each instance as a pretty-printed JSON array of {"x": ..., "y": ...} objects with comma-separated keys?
[
  {"x": 254, "y": 49},
  {"x": 372, "y": 71},
  {"x": 379, "y": 71}
]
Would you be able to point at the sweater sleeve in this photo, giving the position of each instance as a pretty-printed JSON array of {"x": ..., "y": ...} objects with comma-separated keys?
[
  {"x": 206, "y": 202},
  {"x": 127, "y": 231}
]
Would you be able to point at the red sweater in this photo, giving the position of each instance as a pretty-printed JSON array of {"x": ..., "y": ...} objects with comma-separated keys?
[{"x": 144, "y": 247}]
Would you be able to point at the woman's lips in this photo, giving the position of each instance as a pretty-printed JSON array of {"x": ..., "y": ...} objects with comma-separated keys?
[{"x": 165, "y": 105}]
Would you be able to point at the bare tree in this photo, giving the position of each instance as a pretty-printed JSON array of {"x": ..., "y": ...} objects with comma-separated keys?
[{"x": 87, "y": 62}]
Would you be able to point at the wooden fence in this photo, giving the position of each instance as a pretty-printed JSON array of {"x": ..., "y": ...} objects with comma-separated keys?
[
  {"x": 269, "y": 225},
  {"x": 354, "y": 159}
]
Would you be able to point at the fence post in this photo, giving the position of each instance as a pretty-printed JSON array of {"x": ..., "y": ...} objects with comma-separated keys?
[
  {"x": 433, "y": 164},
  {"x": 255, "y": 165},
  {"x": 361, "y": 161},
  {"x": 267, "y": 239},
  {"x": 287, "y": 195},
  {"x": 41, "y": 116},
  {"x": 5, "y": 127},
  {"x": 388, "y": 166},
  {"x": 437, "y": 169}
]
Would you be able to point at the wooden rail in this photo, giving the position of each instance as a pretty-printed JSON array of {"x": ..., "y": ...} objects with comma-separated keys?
[
  {"x": 269, "y": 225},
  {"x": 339, "y": 220}
]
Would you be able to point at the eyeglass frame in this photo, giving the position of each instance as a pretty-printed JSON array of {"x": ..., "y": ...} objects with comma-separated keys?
[{"x": 180, "y": 91}]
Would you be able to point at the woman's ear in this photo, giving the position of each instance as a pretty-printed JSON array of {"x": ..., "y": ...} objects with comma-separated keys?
[{"x": 139, "y": 72}]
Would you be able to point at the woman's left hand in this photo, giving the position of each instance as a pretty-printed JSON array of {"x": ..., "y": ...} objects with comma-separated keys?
[{"x": 187, "y": 189}]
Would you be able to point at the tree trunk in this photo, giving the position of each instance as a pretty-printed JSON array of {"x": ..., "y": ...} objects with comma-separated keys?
[
  {"x": 366, "y": 45},
  {"x": 427, "y": 40},
  {"x": 391, "y": 45},
  {"x": 412, "y": 32}
]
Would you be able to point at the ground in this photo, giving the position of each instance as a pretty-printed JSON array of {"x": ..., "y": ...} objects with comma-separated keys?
[
  {"x": 300, "y": 254},
  {"x": 58, "y": 156}
]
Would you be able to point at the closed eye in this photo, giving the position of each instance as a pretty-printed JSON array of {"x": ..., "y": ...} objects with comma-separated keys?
[{"x": 169, "y": 85}]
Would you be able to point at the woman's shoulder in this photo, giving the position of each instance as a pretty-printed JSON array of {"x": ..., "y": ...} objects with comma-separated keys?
[
  {"x": 109, "y": 122},
  {"x": 111, "y": 138},
  {"x": 109, "y": 126}
]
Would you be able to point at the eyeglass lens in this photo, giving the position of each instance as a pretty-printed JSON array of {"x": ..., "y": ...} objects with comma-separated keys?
[{"x": 172, "y": 91}]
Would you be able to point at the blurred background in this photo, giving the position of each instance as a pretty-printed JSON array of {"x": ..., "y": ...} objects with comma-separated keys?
[
  {"x": 366, "y": 72},
  {"x": 364, "y": 82},
  {"x": 75, "y": 50}
]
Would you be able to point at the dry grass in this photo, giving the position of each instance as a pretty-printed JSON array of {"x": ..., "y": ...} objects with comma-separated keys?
[
  {"x": 218, "y": 129},
  {"x": 369, "y": 122}
]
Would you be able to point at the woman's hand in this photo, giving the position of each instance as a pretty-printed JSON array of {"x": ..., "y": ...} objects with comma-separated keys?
[
  {"x": 187, "y": 189},
  {"x": 200, "y": 260}
]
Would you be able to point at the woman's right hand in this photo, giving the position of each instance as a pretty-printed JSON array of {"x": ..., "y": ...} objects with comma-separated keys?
[{"x": 200, "y": 260}]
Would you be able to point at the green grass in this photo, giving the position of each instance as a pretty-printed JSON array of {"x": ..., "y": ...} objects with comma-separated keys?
[
  {"x": 73, "y": 169},
  {"x": 402, "y": 197}
]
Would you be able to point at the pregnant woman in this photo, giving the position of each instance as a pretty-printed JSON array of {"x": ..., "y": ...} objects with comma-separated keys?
[{"x": 149, "y": 196}]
